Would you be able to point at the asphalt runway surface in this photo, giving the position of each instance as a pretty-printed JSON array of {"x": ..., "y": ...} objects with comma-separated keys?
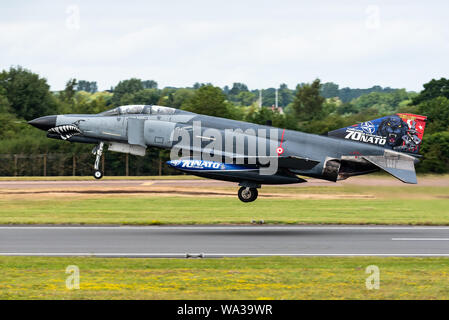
[{"x": 223, "y": 241}]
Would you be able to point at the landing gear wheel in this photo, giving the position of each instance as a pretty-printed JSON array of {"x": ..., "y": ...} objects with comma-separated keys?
[
  {"x": 98, "y": 174},
  {"x": 247, "y": 194},
  {"x": 98, "y": 151}
]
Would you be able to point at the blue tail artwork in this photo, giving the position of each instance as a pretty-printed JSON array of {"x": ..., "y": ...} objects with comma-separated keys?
[{"x": 401, "y": 132}]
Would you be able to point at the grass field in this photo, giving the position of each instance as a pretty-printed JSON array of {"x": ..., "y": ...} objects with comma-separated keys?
[
  {"x": 321, "y": 205},
  {"x": 230, "y": 278}
]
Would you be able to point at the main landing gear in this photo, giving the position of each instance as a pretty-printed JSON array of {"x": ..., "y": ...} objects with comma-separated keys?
[
  {"x": 248, "y": 192},
  {"x": 98, "y": 151}
]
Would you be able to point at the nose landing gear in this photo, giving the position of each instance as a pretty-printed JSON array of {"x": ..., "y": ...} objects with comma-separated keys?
[{"x": 98, "y": 151}]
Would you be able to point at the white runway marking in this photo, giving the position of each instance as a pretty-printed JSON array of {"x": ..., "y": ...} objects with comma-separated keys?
[
  {"x": 209, "y": 241},
  {"x": 420, "y": 239}
]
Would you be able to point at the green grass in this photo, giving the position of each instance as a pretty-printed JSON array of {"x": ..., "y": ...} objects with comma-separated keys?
[
  {"x": 229, "y": 278},
  {"x": 388, "y": 205}
]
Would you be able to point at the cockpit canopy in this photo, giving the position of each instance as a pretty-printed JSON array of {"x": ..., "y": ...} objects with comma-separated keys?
[{"x": 139, "y": 109}]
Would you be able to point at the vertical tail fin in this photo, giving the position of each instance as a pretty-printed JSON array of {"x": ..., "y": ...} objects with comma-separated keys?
[{"x": 402, "y": 132}]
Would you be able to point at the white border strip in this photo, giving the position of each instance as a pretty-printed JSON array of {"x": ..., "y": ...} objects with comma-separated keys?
[{"x": 420, "y": 239}]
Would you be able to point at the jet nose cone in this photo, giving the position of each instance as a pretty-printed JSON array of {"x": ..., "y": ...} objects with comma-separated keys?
[{"x": 44, "y": 123}]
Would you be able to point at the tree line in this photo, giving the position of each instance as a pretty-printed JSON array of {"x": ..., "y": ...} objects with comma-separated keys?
[{"x": 313, "y": 107}]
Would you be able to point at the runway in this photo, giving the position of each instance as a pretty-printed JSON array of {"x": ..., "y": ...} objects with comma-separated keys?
[
  {"x": 120, "y": 184},
  {"x": 223, "y": 241}
]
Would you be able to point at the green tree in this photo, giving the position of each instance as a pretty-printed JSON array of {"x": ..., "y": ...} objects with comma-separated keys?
[
  {"x": 308, "y": 103},
  {"x": 129, "y": 87},
  {"x": 435, "y": 151},
  {"x": 69, "y": 92},
  {"x": 237, "y": 87},
  {"x": 149, "y": 84},
  {"x": 88, "y": 86},
  {"x": 198, "y": 85},
  {"x": 329, "y": 90},
  {"x": 384, "y": 102},
  {"x": 285, "y": 95},
  {"x": 269, "y": 97},
  {"x": 5, "y": 106},
  {"x": 180, "y": 96},
  {"x": 437, "y": 112},
  {"x": 146, "y": 96},
  {"x": 208, "y": 100},
  {"x": 264, "y": 115},
  {"x": 245, "y": 98},
  {"x": 433, "y": 89},
  {"x": 28, "y": 95}
]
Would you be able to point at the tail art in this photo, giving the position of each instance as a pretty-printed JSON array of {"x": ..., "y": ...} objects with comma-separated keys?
[{"x": 401, "y": 132}]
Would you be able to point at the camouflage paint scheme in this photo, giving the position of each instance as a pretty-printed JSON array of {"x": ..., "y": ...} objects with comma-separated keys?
[{"x": 390, "y": 143}]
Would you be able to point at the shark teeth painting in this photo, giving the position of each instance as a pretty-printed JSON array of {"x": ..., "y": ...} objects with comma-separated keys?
[{"x": 65, "y": 131}]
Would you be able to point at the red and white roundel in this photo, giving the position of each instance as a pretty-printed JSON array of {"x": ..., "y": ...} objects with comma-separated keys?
[{"x": 280, "y": 150}]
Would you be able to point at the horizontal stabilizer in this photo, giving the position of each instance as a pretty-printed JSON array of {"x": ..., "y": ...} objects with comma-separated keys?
[{"x": 399, "y": 165}]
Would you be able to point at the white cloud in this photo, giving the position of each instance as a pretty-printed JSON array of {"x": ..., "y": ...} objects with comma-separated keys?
[{"x": 261, "y": 44}]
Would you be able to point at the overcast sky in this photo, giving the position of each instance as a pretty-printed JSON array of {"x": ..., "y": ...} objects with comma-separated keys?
[{"x": 400, "y": 44}]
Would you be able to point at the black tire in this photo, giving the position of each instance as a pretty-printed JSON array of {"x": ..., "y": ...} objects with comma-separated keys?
[
  {"x": 98, "y": 174},
  {"x": 247, "y": 195}
]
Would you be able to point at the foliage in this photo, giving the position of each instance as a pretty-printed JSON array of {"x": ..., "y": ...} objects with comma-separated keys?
[
  {"x": 124, "y": 87},
  {"x": 5, "y": 106},
  {"x": 437, "y": 112},
  {"x": 308, "y": 103},
  {"x": 149, "y": 84},
  {"x": 433, "y": 89},
  {"x": 332, "y": 90},
  {"x": 313, "y": 107},
  {"x": 28, "y": 95},
  {"x": 435, "y": 151},
  {"x": 265, "y": 115},
  {"x": 88, "y": 86},
  {"x": 208, "y": 100},
  {"x": 385, "y": 102}
]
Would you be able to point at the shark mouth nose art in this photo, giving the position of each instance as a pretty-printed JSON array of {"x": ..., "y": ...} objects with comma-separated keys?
[{"x": 65, "y": 131}]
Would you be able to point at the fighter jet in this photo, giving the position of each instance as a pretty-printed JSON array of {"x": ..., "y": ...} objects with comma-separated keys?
[{"x": 245, "y": 153}]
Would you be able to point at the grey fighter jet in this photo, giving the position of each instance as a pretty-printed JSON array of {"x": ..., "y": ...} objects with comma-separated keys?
[{"x": 248, "y": 154}]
